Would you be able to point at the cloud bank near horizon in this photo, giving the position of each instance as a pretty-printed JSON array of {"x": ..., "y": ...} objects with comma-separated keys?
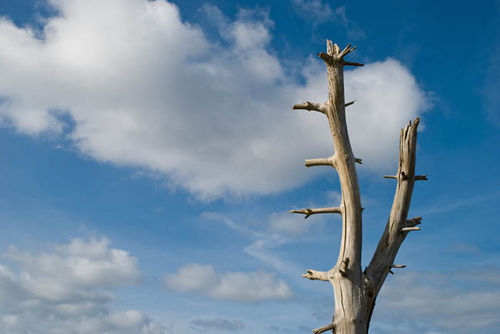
[{"x": 69, "y": 288}]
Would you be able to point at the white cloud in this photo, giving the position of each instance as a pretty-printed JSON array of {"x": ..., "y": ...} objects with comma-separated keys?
[
  {"x": 481, "y": 274},
  {"x": 439, "y": 303},
  {"x": 239, "y": 286},
  {"x": 217, "y": 324},
  {"x": 145, "y": 89},
  {"x": 386, "y": 97},
  {"x": 69, "y": 290}
]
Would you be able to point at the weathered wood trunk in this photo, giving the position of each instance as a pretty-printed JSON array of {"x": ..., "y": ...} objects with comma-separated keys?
[{"x": 356, "y": 290}]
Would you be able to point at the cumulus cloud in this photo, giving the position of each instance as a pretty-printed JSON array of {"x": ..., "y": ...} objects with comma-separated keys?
[
  {"x": 238, "y": 286},
  {"x": 461, "y": 302},
  {"x": 69, "y": 290},
  {"x": 143, "y": 88}
]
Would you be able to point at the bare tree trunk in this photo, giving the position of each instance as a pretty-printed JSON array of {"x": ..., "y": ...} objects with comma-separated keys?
[{"x": 355, "y": 291}]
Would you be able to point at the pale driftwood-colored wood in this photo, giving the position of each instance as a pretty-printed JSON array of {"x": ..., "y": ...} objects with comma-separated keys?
[
  {"x": 346, "y": 276},
  {"x": 310, "y": 106},
  {"x": 321, "y": 162},
  {"x": 397, "y": 227},
  {"x": 356, "y": 291},
  {"x": 314, "y": 275},
  {"x": 308, "y": 212},
  {"x": 324, "y": 329},
  {"x": 315, "y": 106},
  {"x": 409, "y": 229}
]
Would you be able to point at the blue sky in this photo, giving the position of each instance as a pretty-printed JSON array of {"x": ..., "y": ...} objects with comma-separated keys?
[{"x": 149, "y": 157}]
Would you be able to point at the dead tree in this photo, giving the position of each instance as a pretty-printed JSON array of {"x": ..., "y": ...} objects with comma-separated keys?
[{"x": 356, "y": 290}]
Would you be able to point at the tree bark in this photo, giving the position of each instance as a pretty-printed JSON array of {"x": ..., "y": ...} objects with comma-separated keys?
[
  {"x": 397, "y": 227},
  {"x": 355, "y": 291}
]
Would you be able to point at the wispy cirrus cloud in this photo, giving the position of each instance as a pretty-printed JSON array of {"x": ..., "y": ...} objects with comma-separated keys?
[
  {"x": 460, "y": 203},
  {"x": 282, "y": 228},
  {"x": 318, "y": 12}
]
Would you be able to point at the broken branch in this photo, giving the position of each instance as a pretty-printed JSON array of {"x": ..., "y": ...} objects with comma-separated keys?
[
  {"x": 320, "y": 162},
  {"x": 314, "y": 275},
  {"x": 398, "y": 266},
  {"x": 324, "y": 329},
  {"x": 344, "y": 267},
  {"x": 309, "y": 106},
  {"x": 350, "y": 63},
  {"x": 309, "y": 212},
  {"x": 409, "y": 229},
  {"x": 326, "y": 57},
  {"x": 414, "y": 221},
  {"x": 347, "y": 49}
]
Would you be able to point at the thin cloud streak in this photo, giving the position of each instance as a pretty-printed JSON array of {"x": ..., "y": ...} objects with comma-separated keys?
[{"x": 460, "y": 203}]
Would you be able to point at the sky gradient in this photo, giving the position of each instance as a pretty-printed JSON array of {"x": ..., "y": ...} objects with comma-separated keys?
[{"x": 149, "y": 157}]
